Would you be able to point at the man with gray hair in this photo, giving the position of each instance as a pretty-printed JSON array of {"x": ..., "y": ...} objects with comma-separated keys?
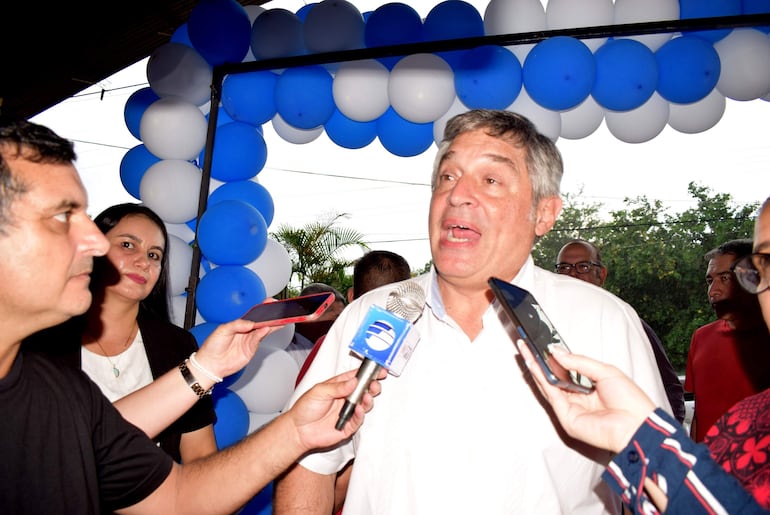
[{"x": 481, "y": 442}]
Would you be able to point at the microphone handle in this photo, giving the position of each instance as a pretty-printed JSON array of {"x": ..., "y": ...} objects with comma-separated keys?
[{"x": 366, "y": 373}]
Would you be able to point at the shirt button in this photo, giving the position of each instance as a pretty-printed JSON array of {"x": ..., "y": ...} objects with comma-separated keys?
[{"x": 633, "y": 456}]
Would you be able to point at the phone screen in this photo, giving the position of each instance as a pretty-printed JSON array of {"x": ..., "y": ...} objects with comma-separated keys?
[
  {"x": 286, "y": 311},
  {"x": 525, "y": 319}
]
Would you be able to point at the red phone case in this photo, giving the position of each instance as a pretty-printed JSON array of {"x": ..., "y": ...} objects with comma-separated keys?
[{"x": 293, "y": 310}]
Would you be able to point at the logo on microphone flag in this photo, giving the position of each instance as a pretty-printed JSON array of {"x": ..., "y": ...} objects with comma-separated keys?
[{"x": 385, "y": 338}]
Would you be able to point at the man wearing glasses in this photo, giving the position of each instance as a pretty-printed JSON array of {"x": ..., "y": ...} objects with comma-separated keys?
[
  {"x": 582, "y": 260},
  {"x": 728, "y": 358}
]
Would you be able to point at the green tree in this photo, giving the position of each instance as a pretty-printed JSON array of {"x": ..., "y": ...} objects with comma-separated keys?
[
  {"x": 655, "y": 258},
  {"x": 316, "y": 250}
]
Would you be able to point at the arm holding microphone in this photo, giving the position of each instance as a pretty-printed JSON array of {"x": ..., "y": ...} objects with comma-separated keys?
[
  {"x": 386, "y": 339},
  {"x": 311, "y": 490}
]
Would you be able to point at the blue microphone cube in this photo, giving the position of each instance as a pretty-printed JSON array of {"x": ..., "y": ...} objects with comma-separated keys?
[{"x": 384, "y": 338}]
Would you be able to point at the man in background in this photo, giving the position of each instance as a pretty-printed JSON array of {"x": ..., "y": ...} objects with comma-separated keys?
[
  {"x": 728, "y": 358},
  {"x": 582, "y": 260},
  {"x": 307, "y": 333}
]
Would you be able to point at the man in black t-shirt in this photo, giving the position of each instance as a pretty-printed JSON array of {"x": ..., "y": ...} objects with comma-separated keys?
[{"x": 64, "y": 448}]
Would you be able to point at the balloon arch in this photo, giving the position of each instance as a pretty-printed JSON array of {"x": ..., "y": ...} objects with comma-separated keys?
[{"x": 387, "y": 74}]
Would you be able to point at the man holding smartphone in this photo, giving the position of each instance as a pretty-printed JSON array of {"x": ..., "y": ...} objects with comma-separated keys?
[{"x": 462, "y": 430}]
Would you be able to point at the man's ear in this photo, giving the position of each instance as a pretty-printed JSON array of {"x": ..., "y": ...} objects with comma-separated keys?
[{"x": 547, "y": 212}]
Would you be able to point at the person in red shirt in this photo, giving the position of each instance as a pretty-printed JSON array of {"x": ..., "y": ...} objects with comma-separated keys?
[{"x": 728, "y": 358}]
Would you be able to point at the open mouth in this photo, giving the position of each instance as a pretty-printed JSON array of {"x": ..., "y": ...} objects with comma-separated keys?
[{"x": 459, "y": 233}]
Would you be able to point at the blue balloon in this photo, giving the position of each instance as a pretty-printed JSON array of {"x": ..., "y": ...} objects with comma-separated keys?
[
  {"x": 249, "y": 97},
  {"x": 181, "y": 35},
  {"x": 248, "y": 191},
  {"x": 757, "y": 7},
  {"x": 452, "y": 19},
  {"x": 132, "y": 167},
  {"x": 392, "y": 24},
  {"x": 202, "y": 331},
  {"x": 230, "y": 380},
  {"x": 222, "y": 119},
  {"x": 227, "y": 292},
  {"x": 135, "y": 107},
  {"x": 232, "y": 423},
  {"x": 232, "y": 232},
  {"x": 488, "y": 77},
  {"x": 240, "y": 152},
  {"x": 349, "y": 133},
  {"x": 708, "y": 9},
  {"x": 559, "y": 73},
  {"x": 688, "y": 68},
  {"x": 402, "y": 137},
  {"x": 220, "y": 30},
  {"x": 304, "y": 98},
  {"x": 277, "y": 33},
  {"x": 304, "y": 10},
  {"x": 626, "y": 75},
  {"x": 260, "y": 504}
]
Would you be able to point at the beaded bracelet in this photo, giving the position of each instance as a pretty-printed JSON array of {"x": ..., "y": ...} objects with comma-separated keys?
[{"x": 203, "y": 370}]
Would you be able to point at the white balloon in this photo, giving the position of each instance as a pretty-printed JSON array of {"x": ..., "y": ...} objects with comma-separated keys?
[
  {"x": 179, "y": 262},
  {"x": 421, "y": 87},
  {"x": 268, "y": 380},
  {"x": 333, "y": 25},
  {"x": 172, "y": 128},
  {"x": 639, "y": 11},
  {"x": 258, "y": 420},
  {"x": 181, "y": 231},
  {"x": 171, "y": 188},
  {"x": 640, "y": 124},
  {"x": 253, "y": 11},
  {"x": 177, "y": 70},
  {"x": 514, "y": 17},
  {"x": 569, "y": 14},
  {"x": 293, "y": 134},
  {"x": 582, "y": 120},
  {"x": 439, "y": 125},
  {"x": 273, "y": 266},
  {"x": 745, "y": 59},
  {"x": 547, "y": 122},
  {"x": 698, "y": 116},
  {"x": 178, "y": 308},
  {"x": 360, "y": 90},
  {"x": 279, "y": 339}
]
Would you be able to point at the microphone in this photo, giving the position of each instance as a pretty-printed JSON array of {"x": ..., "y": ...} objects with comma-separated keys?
[{"x": 385, "y": 339}]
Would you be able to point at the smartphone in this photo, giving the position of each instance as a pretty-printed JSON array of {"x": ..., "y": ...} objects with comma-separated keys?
[
  {"x": 293, "y": 310},
  {"x": 525, "y": 320}
]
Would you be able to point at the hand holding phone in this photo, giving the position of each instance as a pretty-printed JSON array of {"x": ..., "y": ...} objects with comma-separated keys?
[
  {"x": 293, "y": 310},
  {"x": 525, "y": 320}
]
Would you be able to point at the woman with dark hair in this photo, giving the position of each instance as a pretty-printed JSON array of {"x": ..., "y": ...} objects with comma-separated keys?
[{"x": 126, "y": 339}]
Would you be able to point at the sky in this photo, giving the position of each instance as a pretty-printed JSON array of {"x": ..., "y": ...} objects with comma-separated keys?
[{"x": 386, "y": 197}]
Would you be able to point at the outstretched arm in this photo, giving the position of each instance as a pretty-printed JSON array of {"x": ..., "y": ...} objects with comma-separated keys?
[
  {"x": 656, "y": 463},
  {"x": 224, "y": 482},
  {"x": 227, "y": 350}
]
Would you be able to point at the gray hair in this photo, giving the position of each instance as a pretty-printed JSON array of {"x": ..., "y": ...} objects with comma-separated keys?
[{"x": 544, "y": 162}]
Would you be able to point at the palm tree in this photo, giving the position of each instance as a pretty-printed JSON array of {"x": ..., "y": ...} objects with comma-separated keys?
[{"x": 315, "y": 250}]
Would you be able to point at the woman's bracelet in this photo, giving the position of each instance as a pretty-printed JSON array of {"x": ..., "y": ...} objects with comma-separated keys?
[
  {"x": 192, "y": 382},
  {"x": 203, "y": 370}
]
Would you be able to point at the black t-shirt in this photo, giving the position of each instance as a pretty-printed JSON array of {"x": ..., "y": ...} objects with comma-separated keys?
[
  {"x": 166, "y": 346},
  {"x": 65, "y": 449}
]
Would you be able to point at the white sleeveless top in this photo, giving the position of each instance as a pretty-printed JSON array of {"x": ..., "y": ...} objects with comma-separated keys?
[{"x": 132, "y": 365}]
